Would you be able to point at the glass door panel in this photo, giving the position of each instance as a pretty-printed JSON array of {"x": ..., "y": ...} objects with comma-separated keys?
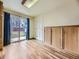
[
  {"x": 18, "y": 28},
  {"x": 23, "y": 28},
  {"x": 15, "y": 24}
]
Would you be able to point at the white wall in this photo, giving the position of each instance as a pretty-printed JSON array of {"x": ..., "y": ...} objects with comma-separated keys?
[
  {"x": 32, "y": 28},
  {"x": 39, "y": 28},
  {"x": 66, "y": 15}
]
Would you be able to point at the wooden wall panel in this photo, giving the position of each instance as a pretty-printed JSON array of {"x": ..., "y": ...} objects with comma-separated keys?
[
  {"x": 78, "y": 39},
  {"x": 57, "y": 37},
  {"x": 47, "y": 35},
  {"x": 0, "y": 33},
  {"x": 71, "y": 38},
  {"x": 1, "y": 12},
  {"x": 64, "y": 37},
  {"x": 1, "y": 8}
]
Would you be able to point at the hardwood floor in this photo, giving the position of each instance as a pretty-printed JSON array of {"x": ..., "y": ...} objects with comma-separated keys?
[{"x": 33, "y": 49}]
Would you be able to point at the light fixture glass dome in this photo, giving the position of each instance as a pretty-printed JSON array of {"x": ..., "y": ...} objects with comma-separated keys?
[{"x": 30, "y": 3}]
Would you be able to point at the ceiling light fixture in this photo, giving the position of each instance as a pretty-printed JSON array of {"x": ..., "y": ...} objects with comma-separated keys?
[{"x": 29, "y": 3}]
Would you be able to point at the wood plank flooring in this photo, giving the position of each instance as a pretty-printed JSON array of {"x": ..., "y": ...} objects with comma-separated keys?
[{"x": 33, "y": 49}]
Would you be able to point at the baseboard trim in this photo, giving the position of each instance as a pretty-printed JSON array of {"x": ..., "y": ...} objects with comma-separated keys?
[{"x": 32, "y": 38}]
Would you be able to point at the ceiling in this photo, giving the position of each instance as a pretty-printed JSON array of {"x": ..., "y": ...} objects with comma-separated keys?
[{"x": 41, "y": 7}]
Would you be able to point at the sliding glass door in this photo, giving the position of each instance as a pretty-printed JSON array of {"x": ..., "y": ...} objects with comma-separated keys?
[
  {"x": 14, "y": 23},
  {"x": 23, "y": 28},
  {"x": 18, "y": 28}
]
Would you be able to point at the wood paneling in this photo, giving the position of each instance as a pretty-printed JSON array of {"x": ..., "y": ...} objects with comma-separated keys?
[
  {"x": 57, "y": 37},
  {"x": 1, "y": 8},
  {"x": 63, "y": 37},
  {"x": 48, "y": 35},
  {"x": 71, "y": 38},
  {"x": 78, "y": 38},
  {"x": 1, "y": 12}
]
